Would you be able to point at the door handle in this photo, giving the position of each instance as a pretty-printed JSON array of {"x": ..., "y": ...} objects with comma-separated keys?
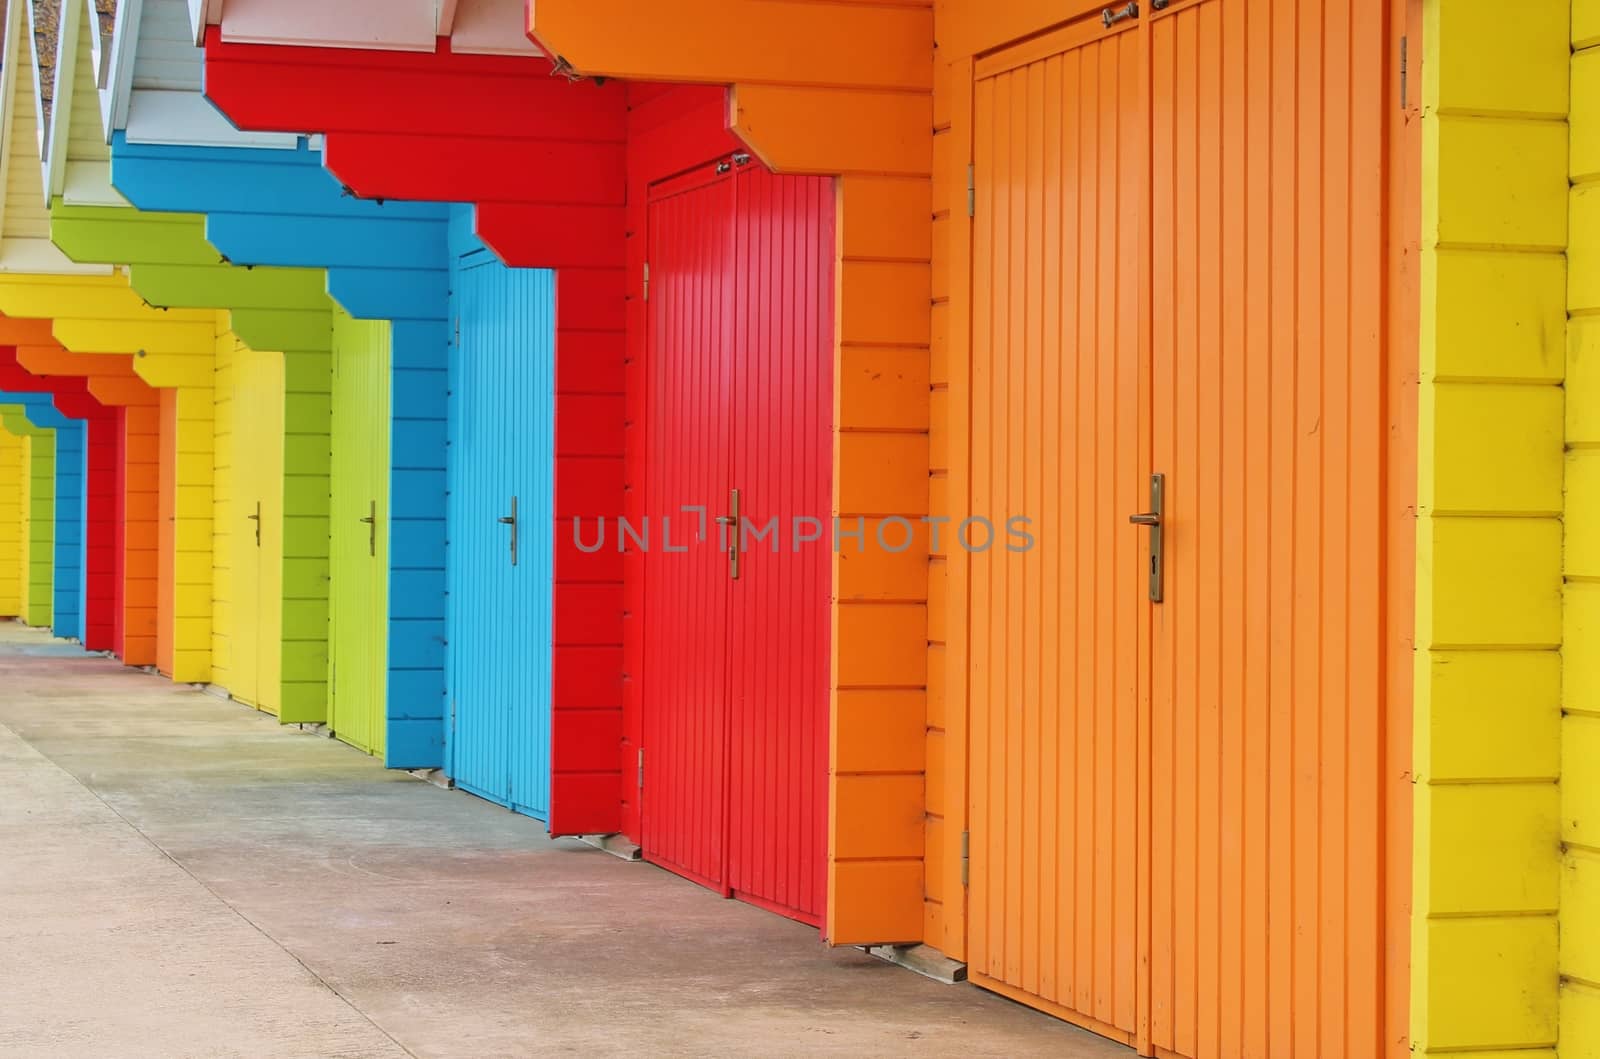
[
  {"x": 1152, "y": 519},
  {"x": 733, "y": 541},
  {"x": 372, "y": 528},
  {"x": 256, "y": 518},
  {"x": 511, "y": 520}
]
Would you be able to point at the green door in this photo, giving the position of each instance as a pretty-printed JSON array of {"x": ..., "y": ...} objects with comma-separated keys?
[{"x": 359, "y": 546}]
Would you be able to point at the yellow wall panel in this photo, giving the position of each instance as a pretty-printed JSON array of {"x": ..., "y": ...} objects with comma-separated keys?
[
  {"x": 12, "y": 478},
  {"x": 1580, "y": 731},
  {"x": 1580, "y": 1020},
  {"x": 1495, "y": 582},
  {"x": 1496, "y": 314},
  {"x": 1489, "y": 984},
  {"x": 1481, "y": 60},
  {"x": 1487, "y": 879},
  {"x": 1519, "y": 166},
  {"x": 1496, "y": 449},
  {"x": 1583, "y": 382},
  {"x": 1496, "y": 715},
  {"x": 1489, "y": 848}
]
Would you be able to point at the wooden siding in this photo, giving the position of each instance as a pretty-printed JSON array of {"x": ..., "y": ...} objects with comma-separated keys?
[
  {"x": 11, "y": 481},
  {"x": 167, "y": 58}
]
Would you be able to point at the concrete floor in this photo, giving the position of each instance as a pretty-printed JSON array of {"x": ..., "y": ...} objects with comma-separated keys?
[{"x": 179, "y": 876}]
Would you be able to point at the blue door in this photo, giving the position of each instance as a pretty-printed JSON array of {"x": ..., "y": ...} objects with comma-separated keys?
[{"x": 500, "y": 556}]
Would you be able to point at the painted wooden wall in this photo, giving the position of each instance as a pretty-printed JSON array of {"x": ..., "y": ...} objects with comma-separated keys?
[
  {"x": 385, "y": 261},
  {"x": 36, "y": 555},
  {"x": 12, "y": 477},
  {"x": 96, "y": 587},
  {"x": 1578, "y": 1025},
  {"x": 570, "y": 219},
  {"x": 170, "y": 263},
  {"x": 1488, "y": 872},
  {"x": 847, "y": 93},
  {"x": 101, "y": 316}
]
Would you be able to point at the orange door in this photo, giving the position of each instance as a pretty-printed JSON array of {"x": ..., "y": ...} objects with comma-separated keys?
[
  {"x": 1056, "y": 433},
  {"x": 1268, "y": 265},
  {"x": 1176, "y": 805}
]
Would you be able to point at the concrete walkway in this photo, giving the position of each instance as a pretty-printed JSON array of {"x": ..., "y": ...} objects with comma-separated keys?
[{"x": 179, "y": 876}]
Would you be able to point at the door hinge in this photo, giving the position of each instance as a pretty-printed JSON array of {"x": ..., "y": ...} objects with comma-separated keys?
[
  {"x": 972, "y": 192},
  {"x": 966, "y": 857},
  {"x": 458, "y": 332},
  {"x": 641, "y": 767},
  {"x": 1403, "y": 72},
  {"x": 452, "y": 713},
  {"x": 647, "y": 281}
]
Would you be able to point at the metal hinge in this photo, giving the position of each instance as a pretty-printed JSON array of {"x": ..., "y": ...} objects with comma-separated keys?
[
  {"x": 641, "y": 766},
  {"x": 452, "y": 713},
  {"x": 1403, "y": 72},
  {"x": 966, "y": 856},
  {"x": 972, "y": 192},
  {"x": 458, "y": 332},
  {"x": 647, "y": 281}
]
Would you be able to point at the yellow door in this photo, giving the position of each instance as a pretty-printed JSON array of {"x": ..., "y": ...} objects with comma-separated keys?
[
  {"x": 256, "y": 526},
  {"x": 12, "y": 481}
]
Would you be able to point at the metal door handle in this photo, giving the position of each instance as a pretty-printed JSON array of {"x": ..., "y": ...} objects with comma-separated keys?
[
  {"x": 256, "y": 518},
  {"x": 372, "y": 529},
  {"x": 511, "y": 520},
  {"x": 733, "y": 543},
  {"x": 1152, "y": 519}
]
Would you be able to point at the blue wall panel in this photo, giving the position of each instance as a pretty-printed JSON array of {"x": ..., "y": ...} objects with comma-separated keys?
[{"x": 385, "y": 261}]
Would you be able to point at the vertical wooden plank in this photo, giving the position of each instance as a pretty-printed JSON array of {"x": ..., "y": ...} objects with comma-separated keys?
[
  {"x": 1283, "y": 693},
  {"x": 968, "y": 277},
  {"x": 1164, "y": 619},
  {"x": 1258, "y": 531},
  {"x": 1334, "y": 551},
  {"x": 1234, "y": 912}
]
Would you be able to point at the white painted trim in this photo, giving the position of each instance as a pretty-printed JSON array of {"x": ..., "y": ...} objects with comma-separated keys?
[
  {"x": 89, "y": 184},
  {"x": 60, "y": 136},
  {"x": 124, "y": 51},
  {"x": 42, "y": 257},
  {"x": 187, "y": 119},
  {"x": 8, "y": 94}
]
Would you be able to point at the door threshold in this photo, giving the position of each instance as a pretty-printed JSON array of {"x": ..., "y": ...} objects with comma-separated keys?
[
  {"x": 433, "y": 776},
  {"x": 615, "y": 844},
  {"x": 925, "y": 960}
]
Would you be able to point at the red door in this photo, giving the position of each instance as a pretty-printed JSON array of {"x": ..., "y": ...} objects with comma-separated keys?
[
  {"x": 736, "y": 629},
  {"x": 683, "y": 757}
]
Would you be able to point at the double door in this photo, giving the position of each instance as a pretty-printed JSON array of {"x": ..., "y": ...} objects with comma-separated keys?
[
  {"x": 501, "y": 517},
  {"x": 359, "y": 537},
  {"x": 1176, "y": 696},
  {"x": 739, "y": 447},
  {"x": 255, "y": 529}
]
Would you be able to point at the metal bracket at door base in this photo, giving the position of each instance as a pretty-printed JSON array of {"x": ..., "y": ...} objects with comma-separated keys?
[{"x": 1110, "y": 17}]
